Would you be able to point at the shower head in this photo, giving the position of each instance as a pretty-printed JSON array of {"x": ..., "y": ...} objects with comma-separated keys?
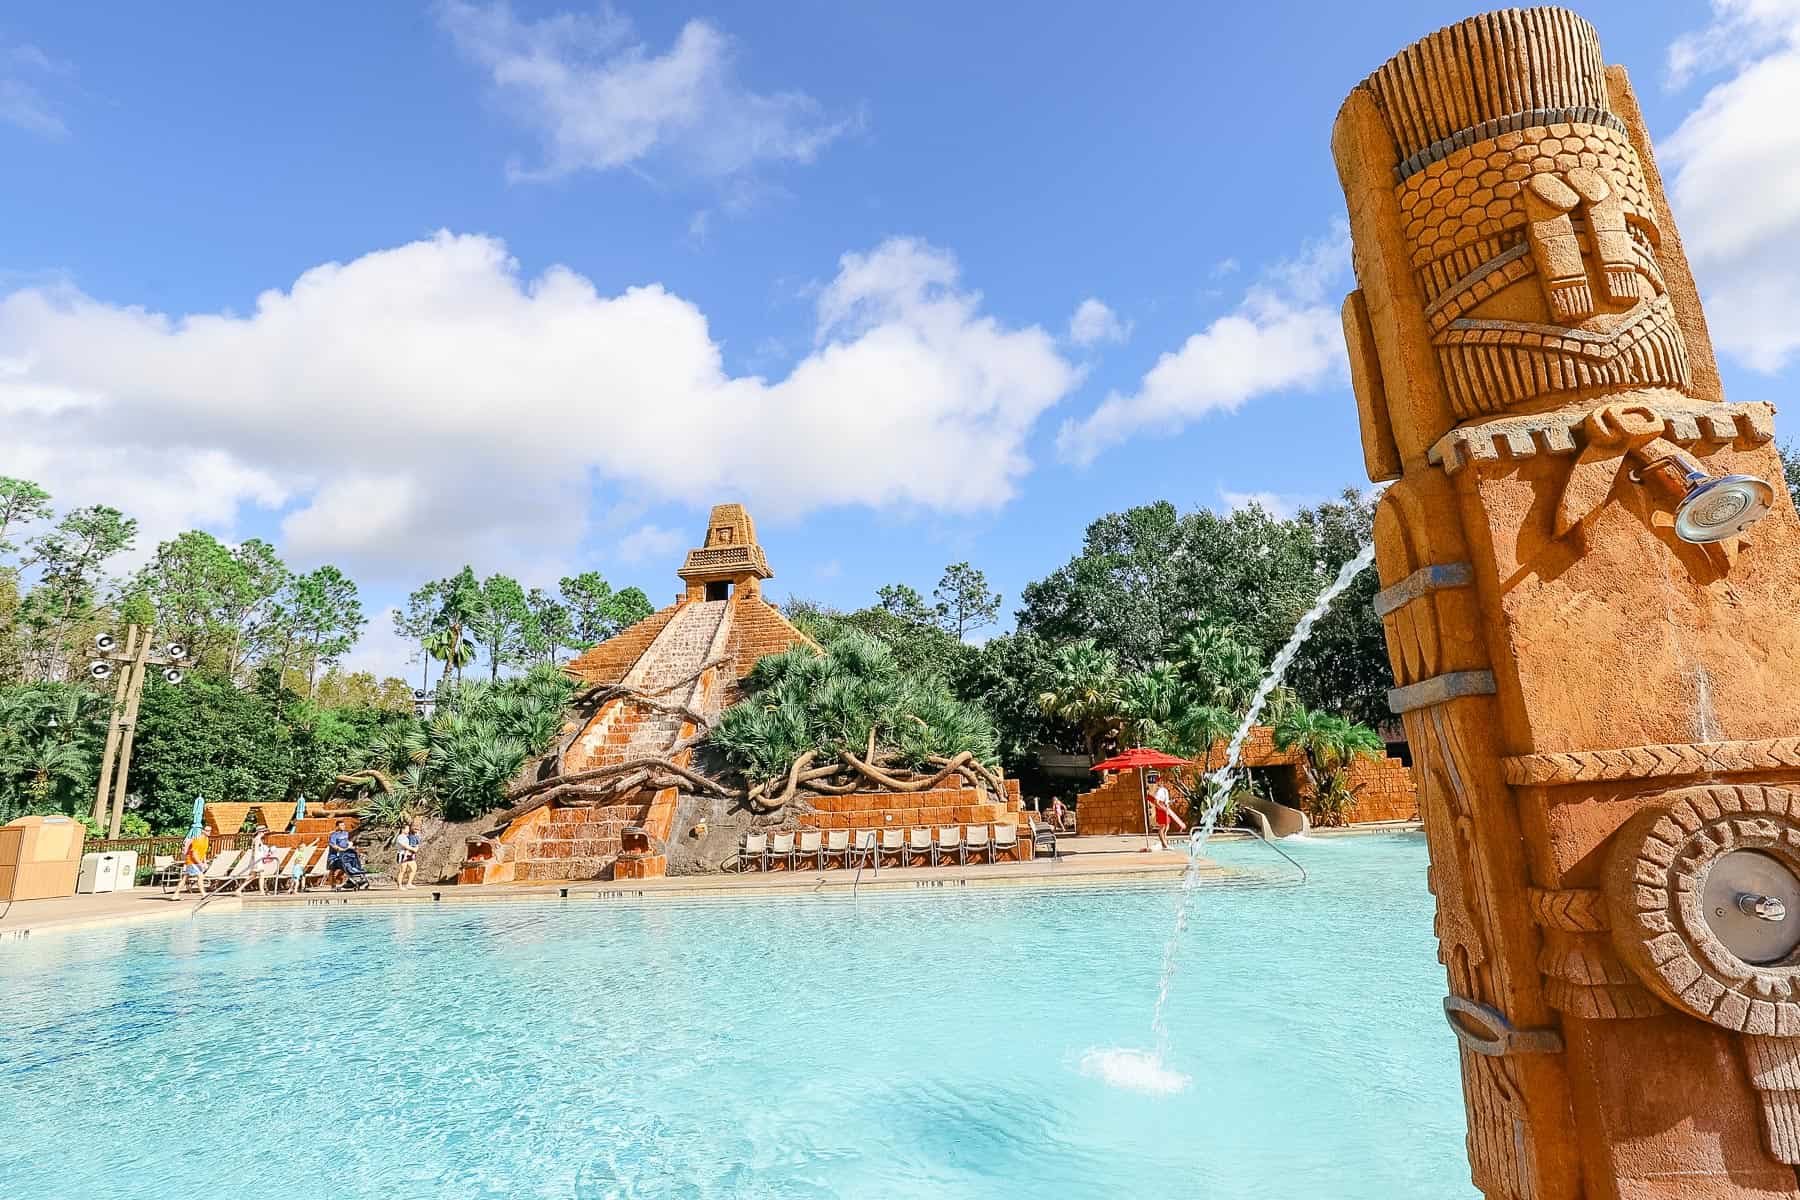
[
  {"x": 1707, "y": 508},
  {"x": 1719, "y": 508}
]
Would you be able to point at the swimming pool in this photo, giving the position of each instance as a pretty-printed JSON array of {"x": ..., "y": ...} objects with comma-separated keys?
[{"x": 890, "y": 1046}]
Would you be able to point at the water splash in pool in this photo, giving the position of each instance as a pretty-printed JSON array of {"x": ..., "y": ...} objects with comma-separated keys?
[{"x": 1133, "y": 1070}]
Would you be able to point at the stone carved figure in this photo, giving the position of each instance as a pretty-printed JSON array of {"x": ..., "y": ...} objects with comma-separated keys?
[{"x": 1592, "y": 603}]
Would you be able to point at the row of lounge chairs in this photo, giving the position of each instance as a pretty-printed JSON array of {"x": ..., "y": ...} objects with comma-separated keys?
[
  {"x": 235, "y": 871},
  {"x": 874, "y": 847}
]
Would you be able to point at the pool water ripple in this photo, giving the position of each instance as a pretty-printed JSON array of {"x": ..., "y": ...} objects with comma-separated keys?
[{"x": 893, "y": 1046}]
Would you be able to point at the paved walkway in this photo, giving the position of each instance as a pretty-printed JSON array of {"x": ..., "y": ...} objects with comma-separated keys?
[
  {"x": 26, "y": 918},
  {"x": 1081, "y": 862}
]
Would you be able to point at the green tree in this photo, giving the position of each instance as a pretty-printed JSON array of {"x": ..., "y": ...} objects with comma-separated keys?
[
  {"x": 208, "y": 737},
  {"x": 21, "y": 503},
  {"x": 323, "y": 617},
  {"x": 1005, "y": 677},
  {"x": 1328, "y": 744},
  {"x": 414, "y": 623},
  {"x": 222, "y": 601},
  {"x": 1790, "y": 467},
  {"x": 904, "y": 603},
  {"x": 965, "y": 601},
  {"x": 50, "y": 736},
  {"x": 596, "y": 612},
  {"x": 901, "y": 621},
  {"x": 500, "y": 620},
  {"x": 70, "y": 556},
  {"x": 552, "y": 626},
  {"x": 1216, "y": 666},
  {"x": 1085, "y": 692}
]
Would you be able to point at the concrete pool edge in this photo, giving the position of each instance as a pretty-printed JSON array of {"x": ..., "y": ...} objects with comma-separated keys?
[{"x": 42, "y": 918}]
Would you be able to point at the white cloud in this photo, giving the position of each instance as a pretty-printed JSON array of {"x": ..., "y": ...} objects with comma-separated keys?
[
  {"x": 1743, "y": 241},
  {"x": 1283, "y": 335},
  {"x": 23, "y": 70},
  {"x": 651, "y": 543},
  {"x": 1094, "y": 322},
  {"x": 599, "y": 99},
  {"x": 427, "y": 405}
]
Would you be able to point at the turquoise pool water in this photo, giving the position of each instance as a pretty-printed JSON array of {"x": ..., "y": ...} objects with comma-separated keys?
[{"x": 918, "y": 1045}]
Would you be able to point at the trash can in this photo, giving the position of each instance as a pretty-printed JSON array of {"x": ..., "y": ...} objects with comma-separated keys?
[
  {"x": 40, "y": 857},
  {"x": 128, "y": 861},
  {"x": 99, "y": 873}
]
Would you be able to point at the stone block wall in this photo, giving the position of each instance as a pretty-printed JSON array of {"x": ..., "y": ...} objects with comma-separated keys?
[
  {"x": 612, "y": 659},
  {"x": 1384, "y": 791}
]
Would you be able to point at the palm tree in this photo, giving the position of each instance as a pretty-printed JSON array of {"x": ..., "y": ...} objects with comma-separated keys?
[
  {"x": 1086, "y": 692},
  {"x": 447, "y": 644},
  {"x": 1152, "y": 703},
  {"x": 1328, "y": 744},
  {"x": 1214, "y": 661},
  {"x": 1202, "y": 728},
  {"x": 49, "y": 763}
]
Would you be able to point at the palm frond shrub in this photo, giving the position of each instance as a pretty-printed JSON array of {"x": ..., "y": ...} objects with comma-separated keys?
[
  {"x": 830, "y": 704},
  {"x": 460, "y": 762},
  {"x": 1328, "y": 745}
]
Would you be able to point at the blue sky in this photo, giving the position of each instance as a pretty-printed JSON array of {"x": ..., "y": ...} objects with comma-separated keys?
[{"x": 406, "y": 285}]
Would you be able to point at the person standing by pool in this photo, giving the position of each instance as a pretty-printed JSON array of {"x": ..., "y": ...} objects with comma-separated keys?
[
  {"x": 264, "y": 858},
  {"x": 194, "y": 853},
  {"x": 1159, "y": 806},
  {"x": 406, "y": 855}
]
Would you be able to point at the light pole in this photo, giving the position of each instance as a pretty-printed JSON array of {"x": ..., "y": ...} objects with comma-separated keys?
[{"x": 136, "y": 659}]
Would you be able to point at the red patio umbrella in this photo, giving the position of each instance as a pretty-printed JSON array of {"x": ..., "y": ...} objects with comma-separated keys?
[{"x": 1141, "y": 757}]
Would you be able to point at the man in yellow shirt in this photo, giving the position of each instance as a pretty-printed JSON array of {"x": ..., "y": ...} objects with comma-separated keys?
[{"x": 193, "y": 864}]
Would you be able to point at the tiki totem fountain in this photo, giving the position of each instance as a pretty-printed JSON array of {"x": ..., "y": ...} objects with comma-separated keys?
[{"x": 1592, "y": 605}]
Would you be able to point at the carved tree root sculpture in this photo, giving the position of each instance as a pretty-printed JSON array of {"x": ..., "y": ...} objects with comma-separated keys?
[{"x": 366, "y": 775}]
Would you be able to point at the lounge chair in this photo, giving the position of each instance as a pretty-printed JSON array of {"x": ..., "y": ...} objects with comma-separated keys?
[
  {"x": 242, "y": 871},
  {"x": 164, "y": 870},
  {"x": 976, "y": 844},
  {"x": 1006, "y": 841},
  {"x": 949, "y": 841},
  {"x": 319, "y": 874},
  {"x": 893, "y": 846},
  {"x": 918, "y": 845},
  {"x": 862, "y": 849},
  {"x": 810, "y": 844},
  {"x": 837, "y": 845},
  {"x": 781, "y": 846},
  {"x": 220, "y": 868},
  {"x": 755, "y": 849}
]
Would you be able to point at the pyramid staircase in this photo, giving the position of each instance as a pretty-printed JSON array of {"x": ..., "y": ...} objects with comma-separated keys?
[{"x": 572, "y": 838}]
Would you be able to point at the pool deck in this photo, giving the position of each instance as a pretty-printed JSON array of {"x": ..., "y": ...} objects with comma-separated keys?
[{"x": 1081, "y": 862}]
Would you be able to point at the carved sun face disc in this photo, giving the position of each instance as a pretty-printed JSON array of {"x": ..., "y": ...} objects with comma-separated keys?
[
  {"x": 1703, "y": 888},
  {"x": 1734, "y": 883}
]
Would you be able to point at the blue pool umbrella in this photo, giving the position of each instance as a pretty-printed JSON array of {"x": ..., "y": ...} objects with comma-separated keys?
[
  {"x": 300, "y": 808},
  {"x": 199, "y": 821}
]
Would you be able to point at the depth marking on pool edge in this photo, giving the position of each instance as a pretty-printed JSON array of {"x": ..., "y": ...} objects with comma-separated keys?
[
  {"x": 618, "y": 895},
  {"x": 938, "y": 883}
]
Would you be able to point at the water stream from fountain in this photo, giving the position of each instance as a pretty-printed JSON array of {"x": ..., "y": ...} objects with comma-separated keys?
[{"x": 1219, "y": 784}]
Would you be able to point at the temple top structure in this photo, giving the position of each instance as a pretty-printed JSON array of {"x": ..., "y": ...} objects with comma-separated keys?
[{"x": 729, "y": 558}]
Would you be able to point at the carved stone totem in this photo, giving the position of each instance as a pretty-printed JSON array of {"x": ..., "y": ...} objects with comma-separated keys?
[{"x": 1595, "y": 637}]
